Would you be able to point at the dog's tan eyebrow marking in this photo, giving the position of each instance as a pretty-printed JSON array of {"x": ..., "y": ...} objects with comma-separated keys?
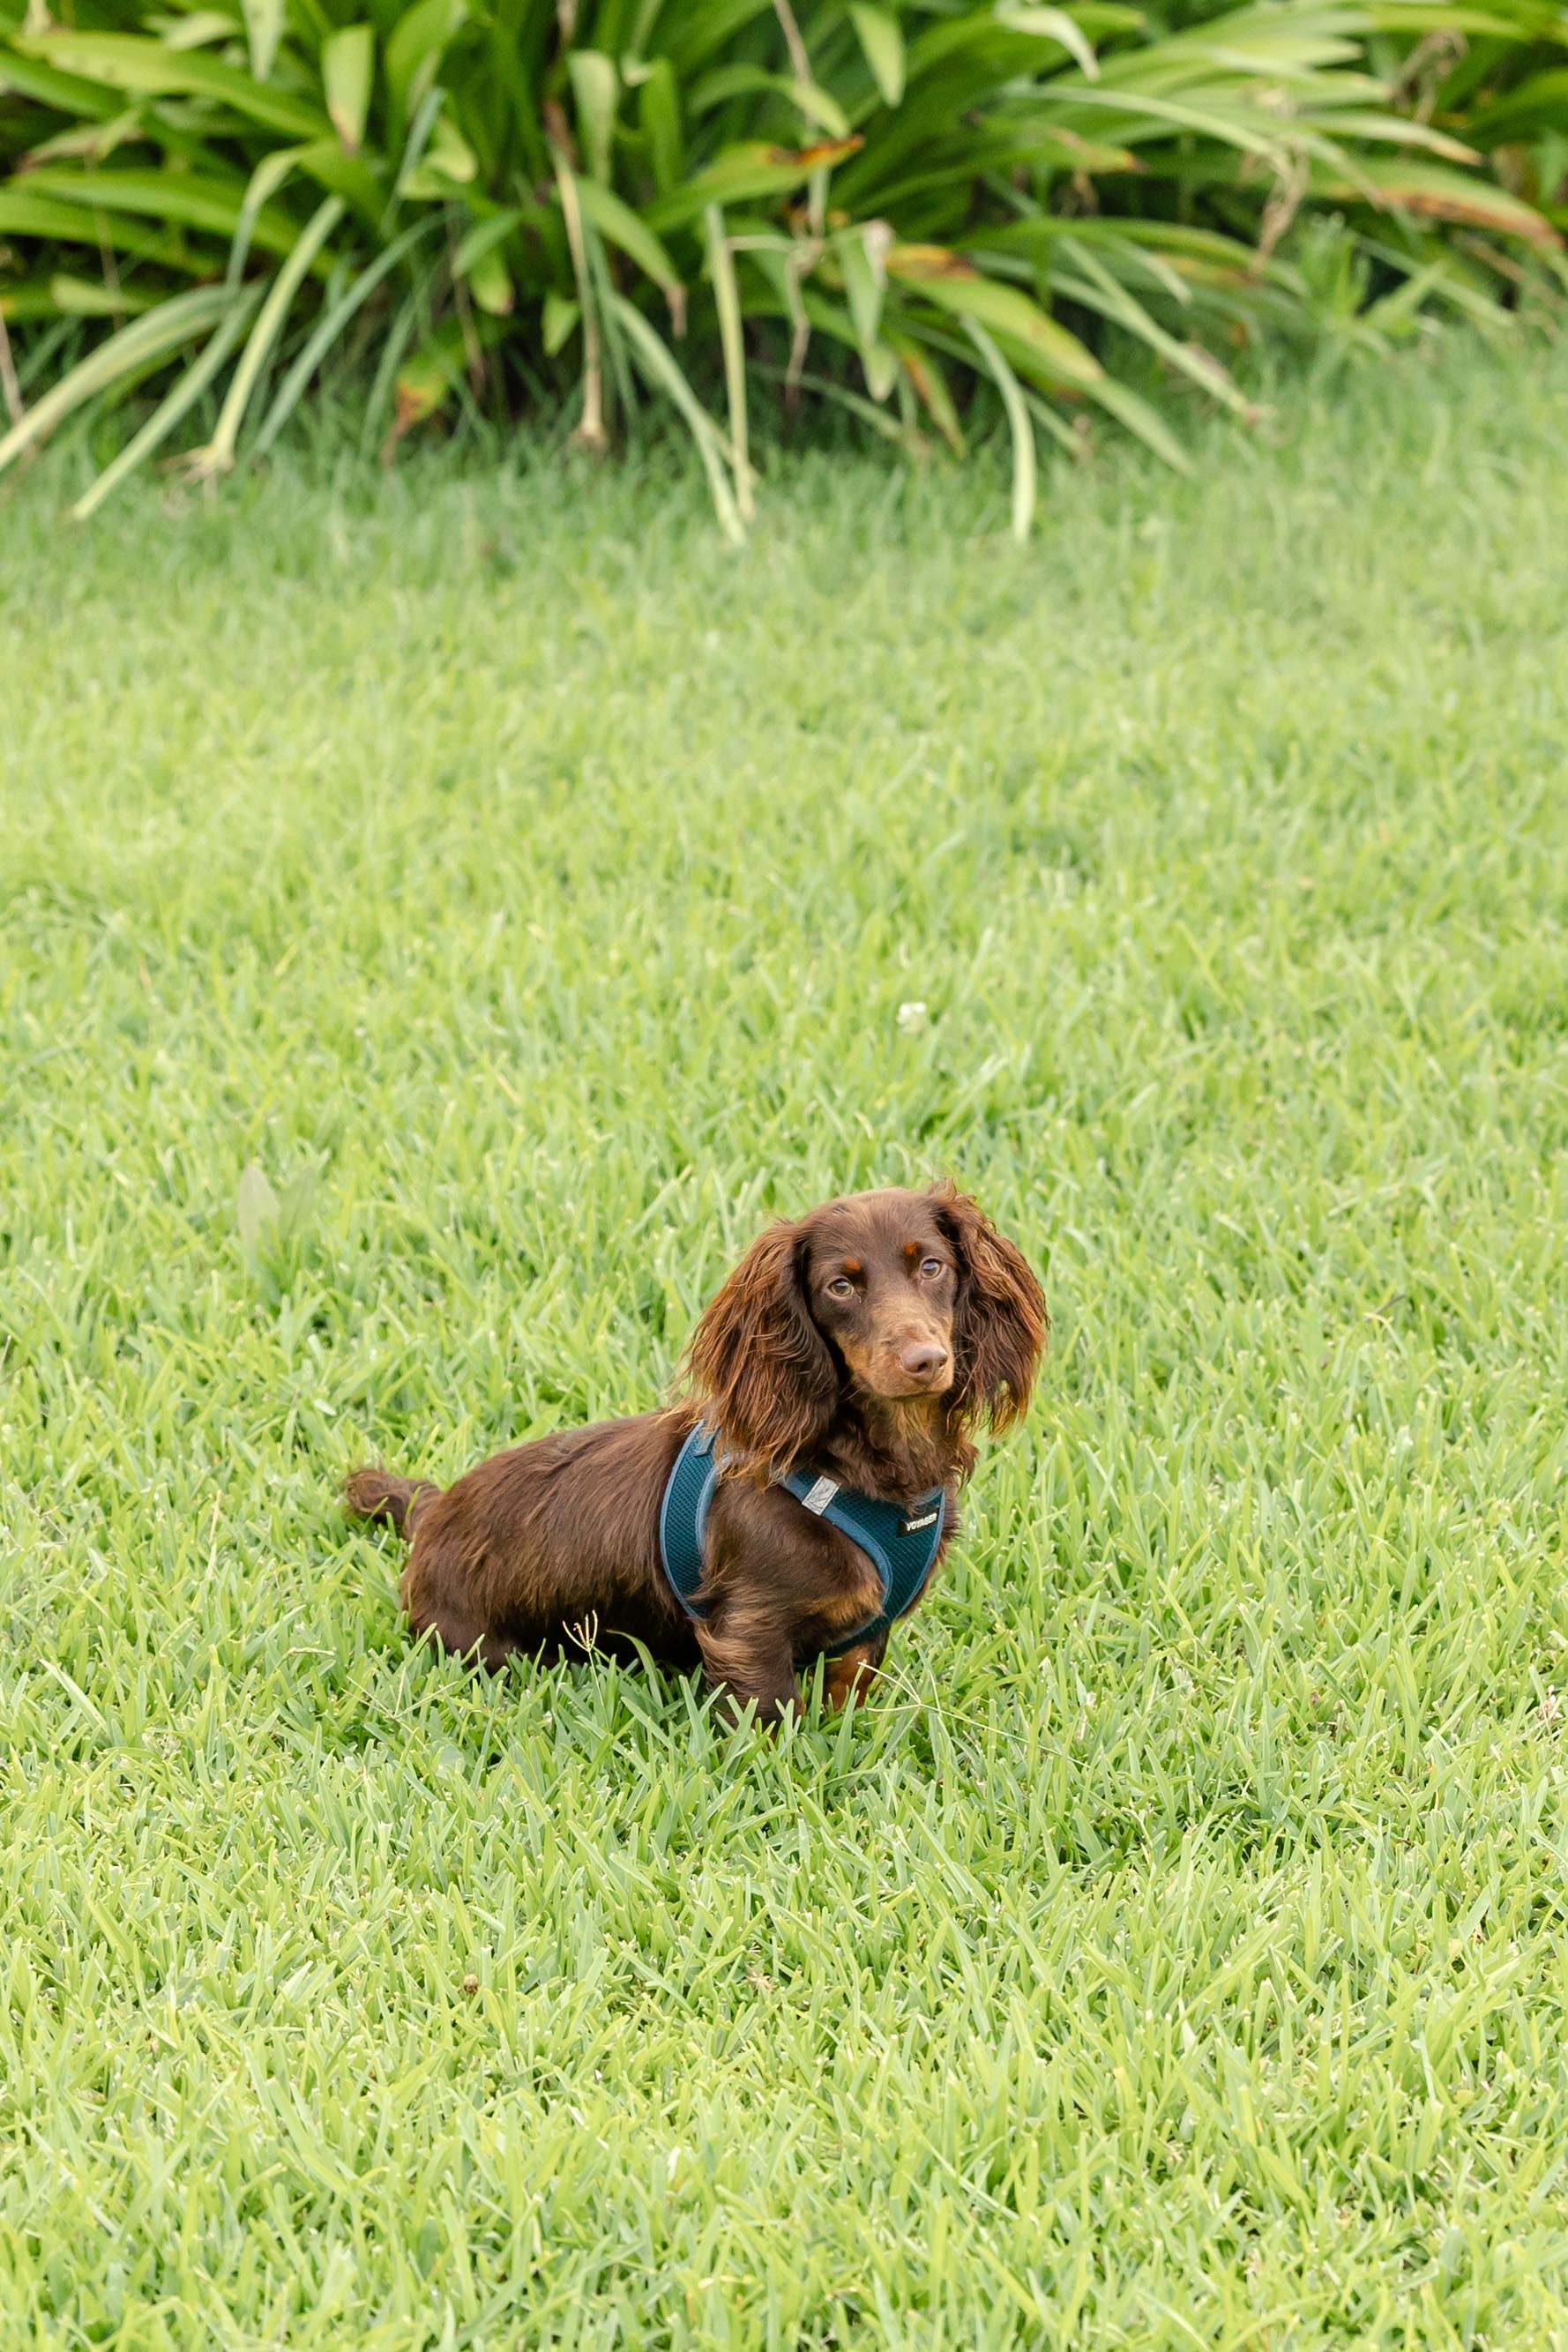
[{"x": 853, "y": 1266}]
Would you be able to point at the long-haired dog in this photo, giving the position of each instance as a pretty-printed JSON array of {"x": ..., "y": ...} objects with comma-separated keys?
[{"x": 853, "y": 1352}]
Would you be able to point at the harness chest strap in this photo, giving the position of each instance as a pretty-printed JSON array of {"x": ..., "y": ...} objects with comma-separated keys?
[{"x": 900, "y": 1545}]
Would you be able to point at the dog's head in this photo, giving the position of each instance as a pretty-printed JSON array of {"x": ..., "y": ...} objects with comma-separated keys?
[{"x": 885, "y": 1296}]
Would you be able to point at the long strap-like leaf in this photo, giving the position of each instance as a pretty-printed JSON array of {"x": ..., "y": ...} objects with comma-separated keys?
[
  {"x": 179, "y": 321},
  {"x": 1023, "y": 432},
  {"x": 727, "y": 296},
  {"x": 219, "y": 454},
  {"x": 173, "y": 406},
  {"x": 658, "y": 364},
  {"x": 329, "y": 328}
]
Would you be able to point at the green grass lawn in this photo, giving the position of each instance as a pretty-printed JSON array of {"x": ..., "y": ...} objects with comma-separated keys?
[{"x": 1174, "y": 1955}]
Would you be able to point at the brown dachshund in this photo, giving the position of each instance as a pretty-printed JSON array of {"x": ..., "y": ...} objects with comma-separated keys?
[{"x": 862, "y": 1344}]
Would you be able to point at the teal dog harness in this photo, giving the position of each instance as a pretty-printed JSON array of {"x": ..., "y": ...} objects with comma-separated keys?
[{"x": 901, "y": 1545}]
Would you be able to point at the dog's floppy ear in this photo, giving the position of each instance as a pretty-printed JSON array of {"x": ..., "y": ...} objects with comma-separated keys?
[
  {"x": 999, "y": 1322},
  {"x": 761, "y": 1360}
]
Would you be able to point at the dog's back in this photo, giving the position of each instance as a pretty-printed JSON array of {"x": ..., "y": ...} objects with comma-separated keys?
[{"x": 550, "y": 1543}]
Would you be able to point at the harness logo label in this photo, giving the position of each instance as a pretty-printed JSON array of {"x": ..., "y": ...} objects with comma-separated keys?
[
  {"x": 817, "y": 1497},
  {"x": 927, "y": 1519}
]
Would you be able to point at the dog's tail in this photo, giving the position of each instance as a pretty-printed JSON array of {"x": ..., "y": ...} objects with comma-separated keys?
[{"x": 373, "y": 1494}]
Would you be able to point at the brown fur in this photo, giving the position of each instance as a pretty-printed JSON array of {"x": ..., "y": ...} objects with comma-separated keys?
[{"x": 866, "y": 1340}]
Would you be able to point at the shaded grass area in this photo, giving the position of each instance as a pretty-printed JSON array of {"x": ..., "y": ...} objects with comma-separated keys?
[{"x": 1174, "y": 1954}]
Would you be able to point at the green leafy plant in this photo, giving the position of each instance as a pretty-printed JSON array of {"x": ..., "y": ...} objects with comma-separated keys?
[
  {"x": 1496, "y": 76},
  {"x": 878, "y": 204}
]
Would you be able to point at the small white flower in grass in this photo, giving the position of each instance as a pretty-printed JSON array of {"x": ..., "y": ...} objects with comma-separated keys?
[{"x": 912, "y": 1016}]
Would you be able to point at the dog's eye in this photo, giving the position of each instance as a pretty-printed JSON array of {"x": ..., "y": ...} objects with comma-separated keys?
[
  {"x": 840, "y": 1287},
  {"x": 932, "y": 1265}
]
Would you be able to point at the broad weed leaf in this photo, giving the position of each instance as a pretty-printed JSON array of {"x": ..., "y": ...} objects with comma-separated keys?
[{"x": 256, "y": 1209}]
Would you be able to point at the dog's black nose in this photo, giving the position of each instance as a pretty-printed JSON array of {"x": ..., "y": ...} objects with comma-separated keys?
[{"x": 923, "y": 1359}]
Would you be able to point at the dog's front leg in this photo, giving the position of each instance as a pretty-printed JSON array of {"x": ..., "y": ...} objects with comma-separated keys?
[
  {"x": 748, "y": 1656},
  {"x": 849, "y": 1677}
]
